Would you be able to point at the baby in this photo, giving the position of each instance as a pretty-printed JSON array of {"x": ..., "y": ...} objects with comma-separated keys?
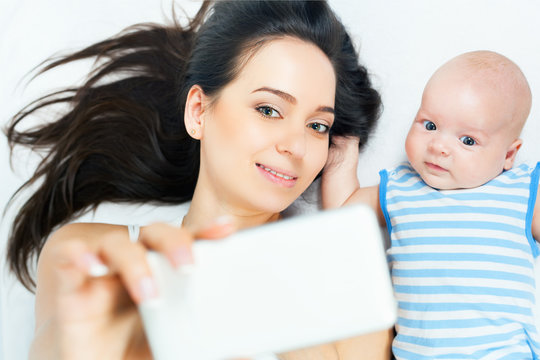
[{"x": 460, "y": 215}]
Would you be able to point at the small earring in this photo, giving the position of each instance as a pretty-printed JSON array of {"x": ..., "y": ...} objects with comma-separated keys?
[{"x": 192, "y": 131}]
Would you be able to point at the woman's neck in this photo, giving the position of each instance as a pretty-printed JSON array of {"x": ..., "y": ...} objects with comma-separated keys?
[{"x": 205, "y": 211}]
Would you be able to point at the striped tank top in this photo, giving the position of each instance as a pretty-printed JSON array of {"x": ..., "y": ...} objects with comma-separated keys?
[{"x": 462, "y": 265}]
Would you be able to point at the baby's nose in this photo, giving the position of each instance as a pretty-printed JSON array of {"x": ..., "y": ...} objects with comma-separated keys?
[{"x": 439, "y": 146}]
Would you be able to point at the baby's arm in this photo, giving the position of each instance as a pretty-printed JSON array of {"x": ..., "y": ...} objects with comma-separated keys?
[
  {"x": 339, "y": 183},
  {"x": 536, "y": 219}
]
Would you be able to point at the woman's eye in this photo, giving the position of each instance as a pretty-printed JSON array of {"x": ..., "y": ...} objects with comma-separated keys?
[
  {"x": 318, "y": 127},
  {"x": 467, "y": 140},
  {"x": 268, "y": 111},
  {"x": 430, "y": 125}
]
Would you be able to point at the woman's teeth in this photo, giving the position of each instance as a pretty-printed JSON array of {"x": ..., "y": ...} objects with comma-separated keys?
[{"x": 276, "y": 173}]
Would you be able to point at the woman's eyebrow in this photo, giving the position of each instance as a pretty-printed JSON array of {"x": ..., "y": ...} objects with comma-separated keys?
[
  {"x": 291, "y": 99},
  {"x": 285, "y": 96},
  {"x": 326, "y": 109}
]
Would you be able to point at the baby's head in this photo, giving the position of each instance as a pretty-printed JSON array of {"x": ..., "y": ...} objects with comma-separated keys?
[{"x": 467, "y": 129}]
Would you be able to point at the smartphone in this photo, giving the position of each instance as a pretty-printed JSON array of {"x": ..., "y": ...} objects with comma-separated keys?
[{"x": 291, "y": 284}]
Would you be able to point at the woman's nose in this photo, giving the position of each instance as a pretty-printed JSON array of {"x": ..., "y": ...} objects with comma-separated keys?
[{"x": 293, "y": 142}]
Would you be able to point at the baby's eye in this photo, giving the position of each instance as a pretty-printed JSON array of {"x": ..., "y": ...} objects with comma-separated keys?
[
  {"x": 467, "y": 140},
  {"x": 268, "y": 111},
  {"x": 430, "y": 125},
  {"x": 318, "y": 127}
]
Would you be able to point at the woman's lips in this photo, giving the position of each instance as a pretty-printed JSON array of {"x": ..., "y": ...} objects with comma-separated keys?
[{"x": 277, "y": 176}]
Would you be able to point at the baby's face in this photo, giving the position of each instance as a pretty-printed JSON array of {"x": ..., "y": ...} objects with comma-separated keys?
[{"x": 462, "y": 135}]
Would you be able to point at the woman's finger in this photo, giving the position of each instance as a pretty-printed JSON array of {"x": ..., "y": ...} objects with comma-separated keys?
[
  {"x": 70, "y": 285},
  {"x": 72, "y": 264},
  {"x": 175, "y": 243},
  {"x": 172, "y": 241},
  {"x": 128, "y": 260}
]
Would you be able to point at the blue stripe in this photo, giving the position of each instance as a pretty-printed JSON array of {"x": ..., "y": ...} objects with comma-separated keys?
[
  {"x": 459, "y": 341},
  {"x": 530, "y": 211},
  {"x": 408, "y": 355},
  {"x": 463, "y": 257},
  {"x": 382, "y": 199},
  {"x": 404, "y": 178},
  {"x": 459, "y": 323},
  {"x": 454, "y": 224},
  {"x": 514, "y": 174},
  {"x": 403, "y": 166},
  {"x": 460, "y": 210},
  {"x": 512, "y": 185},
  {"x": 404, "y": 354},
  {"x": 416, "y": 186},
  {"x": 461, "y": 273},
  {"x": 420, "y": 184},
  {"x": 518, "y": 355},
  {"x": 459, "y": 197},
  {"x": 459, "y": 290},
  {"x": 484, "y": 307},
  {"x": 455, "y": 240}
]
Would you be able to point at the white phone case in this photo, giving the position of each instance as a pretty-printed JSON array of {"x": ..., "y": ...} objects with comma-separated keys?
[{"x": 295, "y": 283}]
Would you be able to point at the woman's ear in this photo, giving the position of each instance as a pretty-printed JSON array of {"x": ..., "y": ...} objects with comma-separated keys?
[
  {"x": 196, "y": 103},
  {"x": 511, "y": 154}
]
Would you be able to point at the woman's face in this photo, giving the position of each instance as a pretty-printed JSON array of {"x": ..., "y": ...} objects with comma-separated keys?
[{"x": 265, "y": 137}]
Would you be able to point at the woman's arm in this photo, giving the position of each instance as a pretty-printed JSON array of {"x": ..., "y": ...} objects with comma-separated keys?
[
  {"x": 373, "y": 346},
  {"x": 339, "y": 179}
]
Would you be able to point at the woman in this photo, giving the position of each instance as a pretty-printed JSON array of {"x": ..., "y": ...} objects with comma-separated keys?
[{"x": 234, "y": 112}]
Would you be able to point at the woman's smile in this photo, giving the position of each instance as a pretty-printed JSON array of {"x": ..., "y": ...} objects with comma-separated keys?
[{"x": 277, "y": 176}]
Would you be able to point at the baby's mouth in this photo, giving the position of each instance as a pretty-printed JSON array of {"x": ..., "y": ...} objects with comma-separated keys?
[{"x": 435, "y": 167}]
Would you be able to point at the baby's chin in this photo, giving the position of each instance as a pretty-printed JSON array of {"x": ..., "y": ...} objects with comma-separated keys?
[
  {"x": 440, "y": 182},
  {"x": 439, "y": 185},
  {"x": 444, "y": 184}
]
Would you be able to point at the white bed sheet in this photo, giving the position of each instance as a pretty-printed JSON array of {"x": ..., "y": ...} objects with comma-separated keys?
[{"x": 401, "y": 42}]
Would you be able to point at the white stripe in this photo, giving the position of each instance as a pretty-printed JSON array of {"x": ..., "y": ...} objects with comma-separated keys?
[
  {"x": 472, "y": 203},
  {"x": 401, "y": 190},
  {"x": 472, "y": 265},
  {"x": 508, "y": 349},
  {"x": 463, "y": 332},
  {"x": 459, "y": 315},
  {"x": 458, "y": 217},
  {"x": 495, "y": 234},
  {"x": 458, "y": 248},
  {"x": 429, "y": 351}
]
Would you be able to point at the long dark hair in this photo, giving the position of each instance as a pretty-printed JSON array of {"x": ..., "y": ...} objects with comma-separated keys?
[{"x": 123, "y": 138}]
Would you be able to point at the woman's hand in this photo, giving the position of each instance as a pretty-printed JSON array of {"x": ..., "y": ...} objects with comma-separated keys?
[
  {"x": 90, "y": 278},
  {"x": 339, "y": 179}
]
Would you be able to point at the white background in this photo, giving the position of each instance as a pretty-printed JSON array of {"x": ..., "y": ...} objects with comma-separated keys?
[{"x": 401, "y": 42}]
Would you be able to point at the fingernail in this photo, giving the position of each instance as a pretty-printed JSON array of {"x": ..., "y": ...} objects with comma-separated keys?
[
  {"x": 147, "y": 288},
  {"x": 94, "y": 265},
  {"x": 182, "y": 256}
]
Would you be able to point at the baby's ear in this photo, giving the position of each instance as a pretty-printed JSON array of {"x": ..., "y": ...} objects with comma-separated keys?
[{"x": 511, "y": 154}]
